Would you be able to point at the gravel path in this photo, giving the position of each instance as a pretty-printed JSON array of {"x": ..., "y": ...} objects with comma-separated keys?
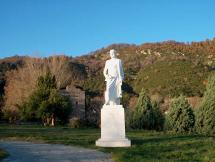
[{"x": 21, "y": 151}]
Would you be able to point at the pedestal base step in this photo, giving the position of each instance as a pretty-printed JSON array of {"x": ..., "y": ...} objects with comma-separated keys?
[{"x": 113, "y": 142}]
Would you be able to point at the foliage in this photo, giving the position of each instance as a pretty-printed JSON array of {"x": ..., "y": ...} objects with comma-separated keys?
[
  {"x": 46, "y": 103},
  {"x": 125, "y": 99},
  {"x": 4, "y": 67},
  {"x": 205, "y": 123},
  {"x": 44, "y": 86},
  {"x": 142, "y": 117},
  {"x": 146, "y": 115},
  {"x": 56, "y": 106},
  {"x": 94, "y": 84},
  {"x": 180, "y": 117},
  {"x": 128, "y": 118},
  {"x": 158, "y": 116}
]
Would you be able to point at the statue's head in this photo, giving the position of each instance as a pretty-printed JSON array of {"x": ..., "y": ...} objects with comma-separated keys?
[{"x": 112, "y": 53}]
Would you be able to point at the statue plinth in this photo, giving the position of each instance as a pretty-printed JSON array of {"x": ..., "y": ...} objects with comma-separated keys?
[{"x": 113, "y": 127}]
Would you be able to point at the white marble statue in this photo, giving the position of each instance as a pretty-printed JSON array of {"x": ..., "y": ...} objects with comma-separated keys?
[
  {"x": 112, "y": 113},
  {"x": 114, "y": 76}
]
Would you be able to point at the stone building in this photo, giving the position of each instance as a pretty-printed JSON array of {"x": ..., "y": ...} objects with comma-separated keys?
[{"x": 77, "y": 98}]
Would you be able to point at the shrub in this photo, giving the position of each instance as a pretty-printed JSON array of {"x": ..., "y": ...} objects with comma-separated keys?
[
  {"x": 146, "y": 115},
  {"x": 205, "y": 116},
  {"x": 180, "y": 117}
]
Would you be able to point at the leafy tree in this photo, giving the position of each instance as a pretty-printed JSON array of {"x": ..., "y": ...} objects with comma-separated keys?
[
  {"x": 180, "y": 117},
  {"x": 205, "y": 123}
]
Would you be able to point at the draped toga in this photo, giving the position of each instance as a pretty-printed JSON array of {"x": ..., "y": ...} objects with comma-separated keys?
[{"x": 114, "y": 75}]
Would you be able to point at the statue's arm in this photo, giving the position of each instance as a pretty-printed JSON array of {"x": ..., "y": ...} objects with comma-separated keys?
[
  {"x": 105, "y": 70},
  {"x": 120, "y": 69}
]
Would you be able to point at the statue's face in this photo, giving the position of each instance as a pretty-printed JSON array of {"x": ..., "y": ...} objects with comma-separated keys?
[{"x": 112, "y": 53}]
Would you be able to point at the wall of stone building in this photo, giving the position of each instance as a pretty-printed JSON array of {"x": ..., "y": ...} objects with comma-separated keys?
[
  {"x": 78, "y": 101},
  {"x": 77, "y": 98},
  {"x": 93, "y": 110}
]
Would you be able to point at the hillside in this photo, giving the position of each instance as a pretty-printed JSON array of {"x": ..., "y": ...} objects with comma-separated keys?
[
  {"x": 165, "y": 69},
  {"x": 168, "y": 68}
]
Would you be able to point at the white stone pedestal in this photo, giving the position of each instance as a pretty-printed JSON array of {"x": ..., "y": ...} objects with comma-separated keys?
[{"x": 113, "y": 127}]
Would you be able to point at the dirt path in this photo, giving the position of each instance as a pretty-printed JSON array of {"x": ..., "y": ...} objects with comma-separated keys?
[{"x": 21, "y": 151}]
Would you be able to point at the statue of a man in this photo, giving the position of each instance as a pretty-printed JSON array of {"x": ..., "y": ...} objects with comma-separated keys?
[{"x": 114, "y": 76}]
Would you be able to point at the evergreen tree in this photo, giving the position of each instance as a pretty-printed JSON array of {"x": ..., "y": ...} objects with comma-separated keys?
[
  {"x": 158, "y": 116},
  {"x": 45, "y": 103},
  {"x": 143, "y": 117},
  {"x": 205, "y": 123},
  {"x": 180, "y": 117},
  {"x": 44, "y": 86}
]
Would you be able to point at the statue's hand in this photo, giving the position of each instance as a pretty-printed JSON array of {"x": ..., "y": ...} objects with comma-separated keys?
[{"x": 107, "y": 77}]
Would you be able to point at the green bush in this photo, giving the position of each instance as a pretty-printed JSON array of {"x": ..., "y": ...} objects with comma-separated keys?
[
  {"x": 146, "y": 115},
  {"x": 205, "y": 116},
  {"x": 180, "y": 117},
  {"x": 46, "y": 104}
]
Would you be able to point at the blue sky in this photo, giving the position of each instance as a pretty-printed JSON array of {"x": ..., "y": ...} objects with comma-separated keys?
[{"x": 76, "y": 27}]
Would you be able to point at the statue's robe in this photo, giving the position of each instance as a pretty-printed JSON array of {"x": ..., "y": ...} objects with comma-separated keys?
[{"x": 114, "y": 75}]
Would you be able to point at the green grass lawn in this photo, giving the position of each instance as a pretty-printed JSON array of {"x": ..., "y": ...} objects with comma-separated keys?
[{"x": 147, "y": 146}]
